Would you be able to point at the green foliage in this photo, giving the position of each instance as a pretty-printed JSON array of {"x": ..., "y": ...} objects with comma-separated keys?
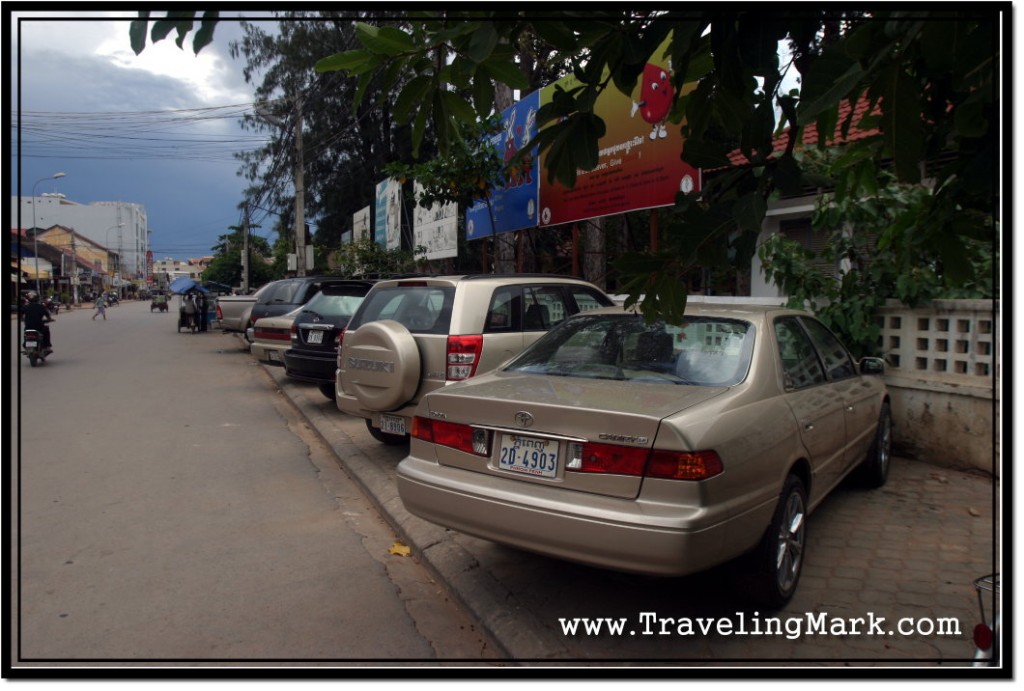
[
  {"x": 891, "y": 253},
  {"x": 469, "y": 172},
  {"x": 364, "y": 257},
  {"x": 180, "y": 21}
]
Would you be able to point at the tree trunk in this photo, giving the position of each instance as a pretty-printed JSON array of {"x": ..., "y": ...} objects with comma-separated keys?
[{"x": 593, "y": 252}]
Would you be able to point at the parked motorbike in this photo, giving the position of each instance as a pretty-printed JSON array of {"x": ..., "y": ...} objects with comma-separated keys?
[
  {"x": 52, "y": 304},
  {"x": 32, "y": 347},
  {"x": 986, "y": 634}
]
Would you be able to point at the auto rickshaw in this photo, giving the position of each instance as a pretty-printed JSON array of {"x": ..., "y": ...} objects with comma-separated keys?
[{"x": 159, "y": 301}]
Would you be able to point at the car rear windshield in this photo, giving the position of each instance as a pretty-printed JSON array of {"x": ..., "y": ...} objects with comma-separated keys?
[
  {"x": 420, "y": 308},
  {"x": 703, "y": 351},
  {"x": 333, "y": 304}
]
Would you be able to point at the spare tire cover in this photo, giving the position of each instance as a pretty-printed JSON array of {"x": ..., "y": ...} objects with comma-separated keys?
[{"x": 382, "y": 364}]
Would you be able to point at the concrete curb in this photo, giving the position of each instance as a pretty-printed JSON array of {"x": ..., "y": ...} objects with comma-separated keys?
[{"x": 509, "y": 625}]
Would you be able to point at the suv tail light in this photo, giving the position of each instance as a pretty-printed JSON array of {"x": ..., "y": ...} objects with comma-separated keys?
[
  {"x": 220, "y": 315},
  {"x": 337, "y": 341},
  {"x": 463, "y": 356}
]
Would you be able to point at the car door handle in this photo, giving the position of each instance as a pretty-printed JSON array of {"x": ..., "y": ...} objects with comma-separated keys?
[{"x": 809, "y": 426}]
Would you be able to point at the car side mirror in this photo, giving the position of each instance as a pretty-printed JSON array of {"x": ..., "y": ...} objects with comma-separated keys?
[{"x": 872, "y": 365}]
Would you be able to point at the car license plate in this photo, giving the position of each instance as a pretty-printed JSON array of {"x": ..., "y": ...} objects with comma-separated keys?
[
  {"x": 315, "y": 337},
  {"x": 392, "y": 424},
  {"x": 272, "y": 356},
  {"x": 528, "y": 455}
]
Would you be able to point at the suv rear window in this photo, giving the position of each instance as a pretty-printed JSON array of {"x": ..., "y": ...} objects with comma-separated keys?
[{"x": 420, "y": 308}]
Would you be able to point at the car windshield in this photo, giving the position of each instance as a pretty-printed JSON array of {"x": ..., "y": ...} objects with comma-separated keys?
[
  {"x": 327, "y": 305},
  {"x": 703, "y": 351},
  {"x": 420, "y": 308}
]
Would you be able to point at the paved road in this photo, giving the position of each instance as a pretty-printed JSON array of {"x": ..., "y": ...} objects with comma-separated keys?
[{"x": 172, "y": 507}]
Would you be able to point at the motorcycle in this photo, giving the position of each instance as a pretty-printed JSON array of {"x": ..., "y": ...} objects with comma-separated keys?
[
  {"x": 32, "y": 347},
  {"x": 986, "y": 634},
  {"x": 52, "y": 304}
]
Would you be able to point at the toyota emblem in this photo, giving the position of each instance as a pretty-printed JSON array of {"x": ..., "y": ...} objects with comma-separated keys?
[{"x": 524, "y": 419}]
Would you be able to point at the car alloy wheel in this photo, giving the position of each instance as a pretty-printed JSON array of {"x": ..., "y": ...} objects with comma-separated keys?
[
  {"x": 791, "y": 532},
  {"x": 875, "y": 470}
]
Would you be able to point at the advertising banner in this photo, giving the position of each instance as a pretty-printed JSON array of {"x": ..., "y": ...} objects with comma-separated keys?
[
  {"x": 387, "y": 215},
  {"x": 639, "y": 165},
  {"x": 435, "y": 228},
  {"x": 513, "y": 206},
  {"x": 361, "y": 224}
]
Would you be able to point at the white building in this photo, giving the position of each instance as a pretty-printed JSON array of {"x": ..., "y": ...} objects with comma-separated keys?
[{"x": 120, "y": 226}]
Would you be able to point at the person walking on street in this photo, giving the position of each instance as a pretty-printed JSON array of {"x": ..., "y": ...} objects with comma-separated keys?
[{"x": 101, "y": 308}]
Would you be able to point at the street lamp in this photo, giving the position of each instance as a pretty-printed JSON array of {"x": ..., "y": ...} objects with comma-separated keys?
[{"x": 35, "y": 231}]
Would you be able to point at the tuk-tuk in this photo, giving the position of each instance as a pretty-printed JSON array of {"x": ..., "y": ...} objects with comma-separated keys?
[{"x": 159, "y": 301}]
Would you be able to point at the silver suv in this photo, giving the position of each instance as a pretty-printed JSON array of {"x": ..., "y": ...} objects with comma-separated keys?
[{"x": 413, "y": 335}]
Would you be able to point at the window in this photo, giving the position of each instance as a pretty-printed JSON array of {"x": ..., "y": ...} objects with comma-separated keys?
[
  {"x": 501, "y": 311},
  {"x": 544, "y": 306},
  {"x": 800, "y": 364},
  {"x": 838, "y": 362}
]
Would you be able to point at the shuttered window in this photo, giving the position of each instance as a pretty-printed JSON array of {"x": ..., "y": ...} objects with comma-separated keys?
[{"x": 799, "y": 230}]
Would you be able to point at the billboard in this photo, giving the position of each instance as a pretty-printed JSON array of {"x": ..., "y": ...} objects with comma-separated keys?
[
  {"x": 435, "y": 228},
  {"x": 361, "y": 224},
  {"x": 513, "y": 206},
  {"x": 639, "y": 165},
  {"x": 387, "y": 215}
]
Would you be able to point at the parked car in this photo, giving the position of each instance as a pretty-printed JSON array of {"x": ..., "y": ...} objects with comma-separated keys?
[
  {"x": 656, "y": 449},
  {"x": 313, "y": 356},
  {"x": 271, "y": 336},
  {"x": 232, "y": 311},
  {"x": 414, "y": 335}
]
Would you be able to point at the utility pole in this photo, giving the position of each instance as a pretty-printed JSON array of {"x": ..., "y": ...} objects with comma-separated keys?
[
  {"x": 245, "y": 251},
  {"x": 300, "y": 192},
  {"x": 74, "y": 270}
]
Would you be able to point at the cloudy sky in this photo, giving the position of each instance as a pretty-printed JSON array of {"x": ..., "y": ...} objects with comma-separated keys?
[{"x": 159, "y": 129}]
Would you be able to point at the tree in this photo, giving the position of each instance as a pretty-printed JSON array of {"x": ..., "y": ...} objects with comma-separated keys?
[
  {"x": 928, "y": 78},
  {"x": 893, "y": 254},
  {"x": 226, "y": 266}
]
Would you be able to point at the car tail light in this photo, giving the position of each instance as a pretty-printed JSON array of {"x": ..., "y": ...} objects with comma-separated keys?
[
  {"x": 590, "y": 457},
  {"x": 338, "y": 339},
  {"x": 220, "y": 315},
  {"x": 271, "y": 334},
  {"x": 293, "y": 333},
  {"x": 983, "y": 636},
  {"x": 678, "y": 465},
  {"x": 463, "y": 356},
  {"x": 457, "y": 436}
]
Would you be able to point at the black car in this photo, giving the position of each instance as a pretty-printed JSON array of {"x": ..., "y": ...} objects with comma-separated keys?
[{"x": 314, "y": 351}]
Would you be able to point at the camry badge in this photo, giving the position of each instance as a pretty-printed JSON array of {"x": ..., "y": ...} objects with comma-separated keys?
[{"x": 524, "y": 419}]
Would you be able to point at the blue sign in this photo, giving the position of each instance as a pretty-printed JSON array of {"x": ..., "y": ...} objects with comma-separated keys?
[{"x": 514, "y": 206}]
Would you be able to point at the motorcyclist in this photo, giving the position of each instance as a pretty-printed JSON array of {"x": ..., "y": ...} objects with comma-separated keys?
[{"x": 36, "y": 316}]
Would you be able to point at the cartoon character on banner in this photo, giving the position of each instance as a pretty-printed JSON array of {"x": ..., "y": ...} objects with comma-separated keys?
[
  {"x": 655, "y": 99},
  {"x": 521, "y": 174}
]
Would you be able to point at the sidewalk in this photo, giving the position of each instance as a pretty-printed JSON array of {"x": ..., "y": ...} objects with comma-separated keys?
[{"x": 910, "y": 550}]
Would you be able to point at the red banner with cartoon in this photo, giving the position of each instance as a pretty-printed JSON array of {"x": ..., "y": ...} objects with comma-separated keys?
[{"x": 639, "y": 165}]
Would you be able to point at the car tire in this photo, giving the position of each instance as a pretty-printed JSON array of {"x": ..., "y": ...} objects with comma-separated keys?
[
  {"x": 771, "y": 572},
  {"x": 875, "y": 469},
  {"x": 386, "y": 437},
  {"x": 327, "y": 389}
]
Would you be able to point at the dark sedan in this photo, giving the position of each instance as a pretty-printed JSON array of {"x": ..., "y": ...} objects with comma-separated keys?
[{"x": 314, "y": 334}]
